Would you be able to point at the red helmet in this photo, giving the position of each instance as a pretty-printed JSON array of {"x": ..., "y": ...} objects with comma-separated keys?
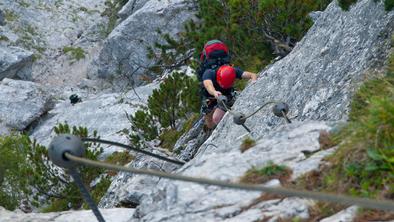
[{"x": 225, "y": 76}]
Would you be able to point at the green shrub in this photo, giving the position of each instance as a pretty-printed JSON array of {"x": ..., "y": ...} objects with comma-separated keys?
[
  {"x": 363, "y": 165},
  {"x": 267, "y": 173},
  {"x": 25, "y": 167},
  {"x": 365, "y": 161},
  {"x": 177, "y": 95},
  {"x": 168, "y": 138},
  {"x": 345, "y": 4},
  {"x": 111, "y": 11},
  {"x": 120, "y": 158},
  {"x": 3, "y": 38},
  {"x": 143, "y": 123},
  {"x": 76, "y": 53},
  {"x": 389, "y": 5},
  {"x": 254, "y": 30},
  {"x": 176, "y": 98},
  {"x": 10, "y": 15}
]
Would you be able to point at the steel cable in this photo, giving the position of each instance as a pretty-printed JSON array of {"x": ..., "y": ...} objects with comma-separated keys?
[
  {"x": 85, "y": 194},
  {"x": 132, "y": 148},
  {"x": 340, "y": 199}
]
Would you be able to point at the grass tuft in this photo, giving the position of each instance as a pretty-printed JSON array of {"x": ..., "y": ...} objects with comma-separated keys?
[
  {"x": 77, "y": 53},
  {"x": 267, "y": 173},
  {"x": 247, "y": 144}
]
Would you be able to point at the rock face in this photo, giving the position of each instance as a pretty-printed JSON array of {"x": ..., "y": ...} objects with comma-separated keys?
[
  {"x": 2, "y": 20},
  {"x": 125, "y": 51},
  {"x": 188, "y": 144},
  {"x": 114, "y": 215},
  {"x": 105, "y": 113},
  {"x": 4, "y": 130},
  {"x": 317, "y": 80},
  {"x": 192, "y": 202},
  {"x": 131, "y": 7},
  {"x": 53, "y": 31},
  {"x": 22, "y": 102},
  {"x": 127, "y": 189},
  {"x": 346, "y": 215},
  {"x": 15, "y": 62}
]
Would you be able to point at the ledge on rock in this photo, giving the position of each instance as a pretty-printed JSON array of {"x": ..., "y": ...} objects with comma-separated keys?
[
  {"x": 15, "y": 62},
  {"x": 22, "y": 102}
]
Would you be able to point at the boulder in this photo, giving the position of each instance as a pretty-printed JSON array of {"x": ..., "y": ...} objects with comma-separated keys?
[
  {"x": 15, "y": 63},
  {"x": 125, "y": 51},
  {"x": 22, "y": 103}
]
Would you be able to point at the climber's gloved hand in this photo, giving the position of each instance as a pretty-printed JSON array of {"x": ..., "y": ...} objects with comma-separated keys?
[{"x": 217, "y": 94}]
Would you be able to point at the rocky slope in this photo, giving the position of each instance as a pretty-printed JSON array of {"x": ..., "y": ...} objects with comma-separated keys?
[
  {"x": 124, "y": 54},
  {"x": 316, "y": 79},
  {"x": 47, "y": 28}
]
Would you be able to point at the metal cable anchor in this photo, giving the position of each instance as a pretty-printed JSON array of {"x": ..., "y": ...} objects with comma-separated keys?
[
  {"x": 69, "y": 144},
  {"x": 280, "y": 110},
  {"x": 240, "y": 119}
]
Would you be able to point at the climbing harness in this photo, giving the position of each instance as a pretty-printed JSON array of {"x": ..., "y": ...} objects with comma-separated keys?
[
  {"x": 280, "y": 110},
  {"x": 67, "y": 151}
]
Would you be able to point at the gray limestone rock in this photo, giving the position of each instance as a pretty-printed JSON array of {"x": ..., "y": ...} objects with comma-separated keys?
[
  {"x": 125, "y": 51},
  {"x": 47, "y": 28},
  {"x": 346, "y": 215},
  {"x": 131, "y": 7},
  {"x": 105, "y": 113},
  {"x": 174, "y": 201},
  {"x": 315, "y": 15},
  {"x": 2, "y": 19},
  {"x": 15, "y": 62},
  {"x": 187, "y": 145},
  {"x": 22, "y": 102},
  {"x": 110, "y": 215},
  {"x": 4, "y": 130},
  {"x": 318, "y": 77},
  {"x": 127, "y": 189},
  {"x": 317, "y": 80}
]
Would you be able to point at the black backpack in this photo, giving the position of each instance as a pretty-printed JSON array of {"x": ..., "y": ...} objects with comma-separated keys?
[{"x": 214, "y": 55}]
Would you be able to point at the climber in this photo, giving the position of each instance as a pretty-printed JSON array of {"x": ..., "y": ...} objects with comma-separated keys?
[
  {"x": 217, "y": 77},
  {"x": 220, "y": 83}
]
